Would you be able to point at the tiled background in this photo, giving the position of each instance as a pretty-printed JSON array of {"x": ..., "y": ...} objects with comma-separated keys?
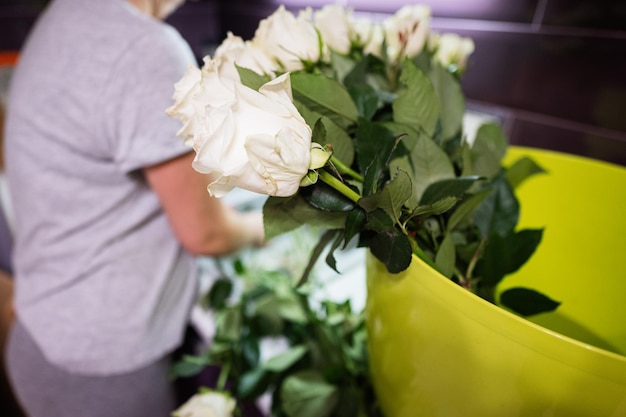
[{"x": 554, "y": 71}]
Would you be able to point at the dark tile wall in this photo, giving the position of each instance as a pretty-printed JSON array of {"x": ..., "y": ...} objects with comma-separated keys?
[
  {"x": 558, "y": 80},
  {"x": 200, "y": 24},
  {"x": 599, "y": 14},
  {"x": 554, "y": 71}
]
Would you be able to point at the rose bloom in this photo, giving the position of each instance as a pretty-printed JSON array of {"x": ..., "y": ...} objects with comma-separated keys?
[
  {"x": 192, "y": 93},
  {"x": 406, "y": 31},
  {"x": 368, "y": 35},
  {"x": 333, "y": 23},
  {"x": 235, "y": 51},
  {"x": 255, "y": 140},
  {"x": 288, "y": 39},
  {"x": 208, "y": 404},
  {"x": 452, "y": 50}
]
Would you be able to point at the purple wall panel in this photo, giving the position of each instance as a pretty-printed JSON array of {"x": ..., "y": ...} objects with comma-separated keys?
[{"x": 575, "y": 78}]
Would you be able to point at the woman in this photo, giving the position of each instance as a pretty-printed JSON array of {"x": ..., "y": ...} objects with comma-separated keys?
[{"x": 108, "y": 212}]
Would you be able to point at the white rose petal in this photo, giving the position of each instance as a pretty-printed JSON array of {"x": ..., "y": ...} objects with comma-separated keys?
[
  {"x": 288, "y": 39},
  {"x": 208, "y": 404},
  {"x": 184, "y": 107},
  {"x": 257, "y": 141},
  {"x": 368, "y": 35},
  {"x": 193, "y": 93},
  {"x": 453, "y": 50},
  {"x": 235, "y": 51},
  {"x": 406, "y": 31},
  {"x": 333, "y": 23},
  {"x": 374, "y": 44}
]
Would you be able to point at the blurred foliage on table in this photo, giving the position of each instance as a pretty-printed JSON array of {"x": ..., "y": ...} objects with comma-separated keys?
[{"x": 318, "y": 366}]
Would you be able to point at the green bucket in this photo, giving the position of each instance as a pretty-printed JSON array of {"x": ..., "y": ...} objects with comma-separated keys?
[{"x": 437, "y": 350}]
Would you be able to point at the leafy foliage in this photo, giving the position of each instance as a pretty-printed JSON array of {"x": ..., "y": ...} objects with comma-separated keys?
[
  {"x": 411, "y": 183},
  {"x": 322, "y": 369}
]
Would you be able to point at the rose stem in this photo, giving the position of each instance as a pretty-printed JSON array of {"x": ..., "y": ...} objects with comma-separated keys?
[{"x": 339, "y": 186}]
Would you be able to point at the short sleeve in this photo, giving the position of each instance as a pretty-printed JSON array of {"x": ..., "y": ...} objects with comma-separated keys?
[{"x": 140, "y": 89}]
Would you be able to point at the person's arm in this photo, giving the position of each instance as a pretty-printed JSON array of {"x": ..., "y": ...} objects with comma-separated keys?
[{"x": 204, "y": 225}]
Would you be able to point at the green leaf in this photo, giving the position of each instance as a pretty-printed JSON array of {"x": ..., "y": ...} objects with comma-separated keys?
[
  {"x": 253, "y": 383},
  {"x": 454, "y": 187},
  {"x": 466, "y": 209},
  {"x": 527, "y": 302},
  {"x": 521, "y": 170},
  {"x": 373, "y": 139},
  {"x": 218, "y": 294},
  {"x": 336, "y": 136},
  {"x": 354, "y": 224},
  {"x": 228, "y": 323},
  {"x": 306, "y": 394},
  {"x": 285, "y": 214},
  {"x": 366, "y": 100},
  {"x": 327, "y": 237},
  {"x": 438, "y": 207},
  {"x": 446, "y": 256},
  {"x": 285, "y": 360},
  {"x": 319, "y": 132},
  {"x": 451, "y": 98},
  {"x": 505, "y": 255},
  {"x": 427, "y": 164},
  {"x": 391, "y": 248},
  {"x": 375, "y": 176},
  {"x": 365, "y": 96},
  {"x": 266, "y": 312},
  {"x": 488, "y": 150},
  {"x": 330, "y": 257},
  {"x": 379, "y": 221},
  {"x": 417, "y": 105},
  {"x": 250, "y": 350},
  {"x": 499, "y": 211},
  {"x": 289, "y": 308},
  {"x": 423, "y": 61},
  {"x": 391, "y": 198},
  {"x": 218, "y": 349},
  {"x": 189, "y": 366},
  {"x": 341, "y": 64},
  {"x": 251, "y": 79},
  {"x": 239, "y": 266},
  {"x": 324, "y": 95}
]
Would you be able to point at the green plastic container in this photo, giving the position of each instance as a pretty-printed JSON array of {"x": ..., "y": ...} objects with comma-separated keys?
[{"x": 439, "y": 351}]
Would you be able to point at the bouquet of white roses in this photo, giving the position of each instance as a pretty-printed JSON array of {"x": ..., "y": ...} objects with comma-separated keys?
[{"x": 356, "y": 126}]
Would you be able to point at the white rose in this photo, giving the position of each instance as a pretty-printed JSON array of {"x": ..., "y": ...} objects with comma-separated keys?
[
  {"x": 235, "y": 51},
  {"x": 208, "y": 404},
  {"x": 258, "y": 141},
  {"x": 184, "y": 107},
  {"x": 368, "y": 35},
  {"x": 453, "y": 50},
  {"x": 333, "y": 23},
  {"x": 288, "y": 39},
  {"x": 406, "y": 31},
  {"x": 193, "y": 93}
]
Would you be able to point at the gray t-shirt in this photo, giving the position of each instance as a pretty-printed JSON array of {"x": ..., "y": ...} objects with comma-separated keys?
[{"x": 103, "y": 286}]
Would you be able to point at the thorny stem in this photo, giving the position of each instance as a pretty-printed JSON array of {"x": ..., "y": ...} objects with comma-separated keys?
[
  {"x": 339, "y": 186},
  {"x": 474, "y": 260},
  {"x": 464, "y": 282},
  {"x": 344, "y": 169},
  {"x": 221, "y": 382}
]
